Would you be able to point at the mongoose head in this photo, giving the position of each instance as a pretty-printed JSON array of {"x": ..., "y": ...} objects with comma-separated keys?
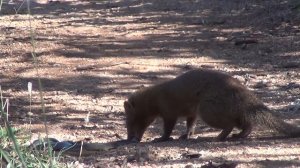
[{"x": 137, "y": 120}]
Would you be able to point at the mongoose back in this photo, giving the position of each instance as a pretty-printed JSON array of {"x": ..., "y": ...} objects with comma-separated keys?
[{"x": 220, "y": 100}]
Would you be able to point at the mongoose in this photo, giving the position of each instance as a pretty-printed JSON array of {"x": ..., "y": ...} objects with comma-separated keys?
[{"x": 220, "y": 100}]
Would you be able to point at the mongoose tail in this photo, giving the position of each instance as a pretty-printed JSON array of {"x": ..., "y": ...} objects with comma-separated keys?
[{"x": 266, "y": 117}]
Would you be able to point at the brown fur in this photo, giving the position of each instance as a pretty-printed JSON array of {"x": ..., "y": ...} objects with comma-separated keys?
[{"x": 220, "y": 100}]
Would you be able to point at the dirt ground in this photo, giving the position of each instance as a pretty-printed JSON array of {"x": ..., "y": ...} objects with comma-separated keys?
[{"x": 92, "y": 54}]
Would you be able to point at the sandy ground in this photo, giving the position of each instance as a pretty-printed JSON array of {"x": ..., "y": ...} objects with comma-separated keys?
[{"x": 92, "y": 54}]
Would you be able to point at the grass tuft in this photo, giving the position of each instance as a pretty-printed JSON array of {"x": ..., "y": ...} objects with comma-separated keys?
[{"x": 15, "y": 150}]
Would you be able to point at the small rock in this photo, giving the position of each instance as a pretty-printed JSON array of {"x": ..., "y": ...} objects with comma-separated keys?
[
  {"x": 30, "y": 113},
  {"x": 191, "y": 155},
  {"x": 295, "y": 106},
  {"x": 189, "y": 166}
]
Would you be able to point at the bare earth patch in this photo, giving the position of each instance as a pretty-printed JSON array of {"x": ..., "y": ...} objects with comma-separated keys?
[{"x": 93, "y": 54}]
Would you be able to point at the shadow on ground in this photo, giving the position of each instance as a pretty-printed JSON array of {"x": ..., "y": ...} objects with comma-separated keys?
[{"x": 262, "y": 36}]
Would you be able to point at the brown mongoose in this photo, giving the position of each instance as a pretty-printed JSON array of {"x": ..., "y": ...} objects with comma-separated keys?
[{"x": 220, "y": 100}]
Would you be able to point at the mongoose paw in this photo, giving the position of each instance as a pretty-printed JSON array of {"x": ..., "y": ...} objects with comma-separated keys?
[
  {"x": 183, "y": 137},
  {"x": 235, "y": 136},
  {"x": 134, "y": 140},
  {"x": 221, "y": 139},
  {"x": 162, "y": 139},
  {"x": 238, "y": 137}
]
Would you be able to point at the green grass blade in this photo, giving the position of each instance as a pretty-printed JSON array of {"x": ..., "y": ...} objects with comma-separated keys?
[
  {"x": 4, "y": 155},
  {"x": 11, "y": 134},
  {"x": 14, "y": 140},
  {"x": 35, "y": 62}
]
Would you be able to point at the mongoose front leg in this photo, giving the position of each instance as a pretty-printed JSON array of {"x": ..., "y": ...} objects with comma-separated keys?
[
  {"x": 190, "y": 125},
  {"x": 225, "y": 132},
  {"x": 169, "y": 124}
]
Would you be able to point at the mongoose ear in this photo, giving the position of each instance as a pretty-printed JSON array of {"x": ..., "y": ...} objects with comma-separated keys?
[{"x": 128, "y": 106}]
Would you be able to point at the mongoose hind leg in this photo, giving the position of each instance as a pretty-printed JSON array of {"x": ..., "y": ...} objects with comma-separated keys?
[
  {"x": 244, "y": 133},
  {"x": 169, "y": 124},
  {"x": 225, "y": 132},
  {"x": 190, "y": 124}
]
